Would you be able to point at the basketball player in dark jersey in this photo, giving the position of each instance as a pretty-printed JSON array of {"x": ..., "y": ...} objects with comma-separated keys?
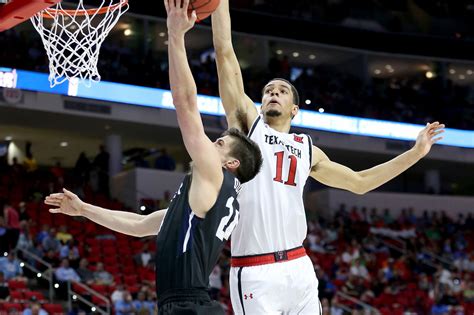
[{"x": 204, "y": 210}]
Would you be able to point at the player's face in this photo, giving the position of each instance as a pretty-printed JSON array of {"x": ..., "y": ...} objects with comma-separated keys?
[
  {"x": 277, "y": 100},
  {"x": 224, "y": 146}
]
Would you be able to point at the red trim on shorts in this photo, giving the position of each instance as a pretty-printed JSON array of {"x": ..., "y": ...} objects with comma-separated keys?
[{"x": 270, "y": 258}]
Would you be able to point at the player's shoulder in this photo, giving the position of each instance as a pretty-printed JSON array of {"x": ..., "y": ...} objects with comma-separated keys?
[{"x": 231, "y": 182}]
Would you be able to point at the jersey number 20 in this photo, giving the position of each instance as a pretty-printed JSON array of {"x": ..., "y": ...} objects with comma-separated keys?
[{"x": 291, "y": 172}]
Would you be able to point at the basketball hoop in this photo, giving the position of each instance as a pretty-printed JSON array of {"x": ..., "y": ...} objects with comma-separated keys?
[{"x": 72, "y": 38}]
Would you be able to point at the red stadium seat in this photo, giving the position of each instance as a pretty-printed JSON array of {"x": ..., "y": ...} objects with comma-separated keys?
[
  {"x": 17, "y": 297},
  {"x": 38, "y": 295},
  {"x": 9, "y": 307},
  {"x": 53, "y": 309},
  {"x": 130, "y": 280},
  {"x": 79, "y": 289},
  {"x": 100, "y": 288},
  {"x": 98, "y": 301},
  {"x": 17, "y": 284}
]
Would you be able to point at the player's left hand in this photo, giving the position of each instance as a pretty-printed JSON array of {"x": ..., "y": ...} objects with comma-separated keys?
[
  {"x": 178, "y": 20},
  {"x": 427, "y": 137}
]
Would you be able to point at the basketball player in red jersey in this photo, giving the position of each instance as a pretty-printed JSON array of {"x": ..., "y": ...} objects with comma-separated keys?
[{"x": 271, "y": 273}]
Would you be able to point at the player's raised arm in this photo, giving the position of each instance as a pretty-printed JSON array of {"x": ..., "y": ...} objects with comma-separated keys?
[
  {"x": 207, "y": 164},
  {"x": 239, "y": 108},
  {"x": 121, "y": 221},
  {"x": 339, "y": 176}
]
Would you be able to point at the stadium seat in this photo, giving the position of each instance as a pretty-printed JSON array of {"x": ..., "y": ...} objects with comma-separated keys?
[
  {"x": 53, "y": 309},
  {"x": 17, "y": 284}
]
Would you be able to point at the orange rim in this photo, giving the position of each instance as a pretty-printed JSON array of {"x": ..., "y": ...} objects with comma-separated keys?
[{"x": 51, "y": 13}]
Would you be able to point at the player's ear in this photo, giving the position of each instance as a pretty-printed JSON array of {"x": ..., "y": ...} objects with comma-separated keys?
[
  {"x": 294, "y": 110},
  {"x": 232, "y": 164}
]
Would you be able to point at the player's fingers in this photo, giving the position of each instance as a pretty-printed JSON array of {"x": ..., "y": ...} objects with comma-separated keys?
[
  {"x": 69, "y": 194},
  {"x": 53, "y": 203},
  {"x": 55, "y": 200},
  {"x": 55, "y": 195},
  {"x": 185, "y": 4},
  {"x": 54, "y": 210},
  {"x": 437, "y": 133},
  {"x": 436, "y": 139},
  {"x": 167, "y": 6},
  {"x": 193, "y": 16}
]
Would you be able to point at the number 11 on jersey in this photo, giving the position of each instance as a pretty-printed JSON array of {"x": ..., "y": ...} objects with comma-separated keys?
[{"x": 291, "y": 172}]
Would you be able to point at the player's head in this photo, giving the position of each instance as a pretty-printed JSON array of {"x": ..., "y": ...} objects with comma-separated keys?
[
  {"x": 239, "y": 154},
  {"x": 279, "y": 99}
]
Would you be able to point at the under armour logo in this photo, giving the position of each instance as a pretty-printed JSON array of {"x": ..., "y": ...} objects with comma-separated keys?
[{"x": 250, "y": 296}]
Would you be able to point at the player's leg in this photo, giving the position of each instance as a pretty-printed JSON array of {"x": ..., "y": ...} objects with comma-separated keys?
[
  {"x": 256, "y": 290},
  {"x": 305, "y": 288}
]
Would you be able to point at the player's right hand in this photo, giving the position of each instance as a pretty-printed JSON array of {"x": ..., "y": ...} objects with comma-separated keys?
[
  {"x": 178, "y": 20},
  {"x": 66, "y": 203}
]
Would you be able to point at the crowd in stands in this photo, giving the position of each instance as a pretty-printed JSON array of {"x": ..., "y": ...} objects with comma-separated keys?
[
  {"x": 427, "y": 269},
  {"x": 387, "y": 16},
  {"x": 414, "y": 99}
]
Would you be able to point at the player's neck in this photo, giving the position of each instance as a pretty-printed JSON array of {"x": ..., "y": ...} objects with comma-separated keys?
[{"x": 278, "y": 124}]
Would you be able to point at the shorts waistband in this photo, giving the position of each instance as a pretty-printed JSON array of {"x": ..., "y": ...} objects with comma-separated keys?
[{"x": 268, "y": 258}]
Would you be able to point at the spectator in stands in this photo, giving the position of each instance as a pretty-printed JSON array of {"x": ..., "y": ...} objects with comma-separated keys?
[
  {"x": 3, "y": 236},
  {"x": 82, "y": 168},
  {"x": 165, "y": 161},
  {"x": 12, "y": 221},
  {"x": 86, "y": 275},
  {"x": 4, "y": 290},
  {"x": 51, "y": 258},
  {"x": 63, "y": 235},
  {"x": 117, "y": 295},
  {"x": 101, "y": 276},
  {"x": 387, "y": 217},
  {"x": 16, "y": 169},
  {"x": 358, "y": 269},
  {"x": 468, "y": 293},
  {"x": 57, "y": 171},
  {"x": 24, "y": 241},
  {"x": 50, "y": 242},
  {"x": 11, "y": 267},
  {"x": 101, "y": 164},
  {"x": 42, "y": 234},
  {"x": 326, "y": 287},
  {"x": 34, "y": 309},
  {"x": 125, "y": 306},
  {"x": 144, "y": 257},
  {"x": 142, "y": 306},
  {"x": 30, "y": 163},
  {"x": 23, "y": 215},
  {"x": 71, "y": 252},
  {"x": 66, "y": 273}
]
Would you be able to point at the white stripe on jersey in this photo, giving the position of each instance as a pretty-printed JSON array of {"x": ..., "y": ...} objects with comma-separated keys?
[{"x": 271, "y": 205}]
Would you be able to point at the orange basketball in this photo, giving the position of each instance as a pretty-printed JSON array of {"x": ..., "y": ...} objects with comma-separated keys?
[{"x": 203, "y": 8}]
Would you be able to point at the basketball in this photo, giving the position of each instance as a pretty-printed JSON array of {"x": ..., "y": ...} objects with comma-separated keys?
[{"x": 203, "y": 8}]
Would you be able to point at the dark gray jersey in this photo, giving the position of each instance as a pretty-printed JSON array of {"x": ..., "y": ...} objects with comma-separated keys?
[{"x": 188, "y": 247}]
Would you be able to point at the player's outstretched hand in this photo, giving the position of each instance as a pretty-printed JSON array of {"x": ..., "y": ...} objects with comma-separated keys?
[
  {"x": 178, "y": 21},
  {"x": 65, "y": 202},
  {"x": 427, "y": 137}
]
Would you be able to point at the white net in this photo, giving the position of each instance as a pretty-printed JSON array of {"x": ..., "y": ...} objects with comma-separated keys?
[{"x": 72, "y": 38}]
